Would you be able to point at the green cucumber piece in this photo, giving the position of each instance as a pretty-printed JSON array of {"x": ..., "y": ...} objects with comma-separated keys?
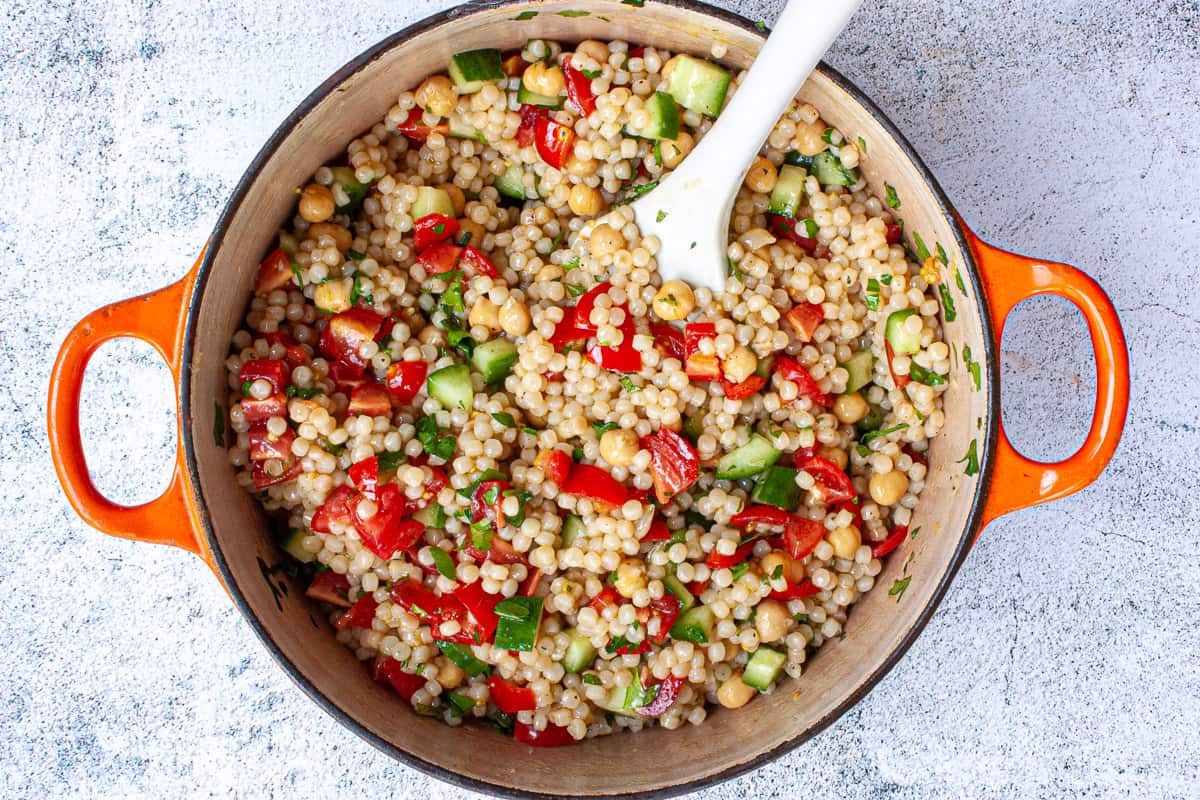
[
  {"x": 528, "y": 97},
  {"x": 511, "y": 183},
  {"x": 580, "y": 652},
  {"x": 571, "y": 530},
  {"x": 697, "y": 625},
  {"x": 356, "y": 191},
  {"x": 777, "y": 487},
  {"x": 830, "y": 172},
  {"x": 431, "y": 200},
  {"x": 471, "y": 69},
  {"x": 431, "y": 516},
  {"x": 676, "y": 587},
  {"x": 763, "y": 668},
  {"x": 662, "y": 118},
  {"x": 788, "y": 191},
  {"x": 616, "y": 701},
  {"x": 494, "y": 359},
  {"x": 766, "y": 367},
  {"x": 698, "y": 85},
  {"x": 872, "y": 421},
  {"x": 461, "y": 129},
  {"x": 901, "y": 340},
  {"x": 519, "y": 634},
  {"x": 451, "y": 386},
  {"x": 693, "y": 427},
  {"x": 861, "y": 367},
  {"x": 462, "y": 657},
  {"x": 796, "y": 158},
  {"x": 291, "y": 544},
  {"x": 749, "y": 459}
]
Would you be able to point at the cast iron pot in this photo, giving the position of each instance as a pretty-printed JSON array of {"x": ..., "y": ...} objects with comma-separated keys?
[{"x": 191, "y": 322}]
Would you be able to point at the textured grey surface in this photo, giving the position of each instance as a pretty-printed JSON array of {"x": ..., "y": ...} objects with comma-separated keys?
[{"x": 1064, "y": 660}]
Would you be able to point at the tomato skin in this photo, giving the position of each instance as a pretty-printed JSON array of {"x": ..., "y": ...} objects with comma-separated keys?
[
  {"x": 477, "y": 262},
  {"x": 386, "y": 533},
  {"x": 509, "y": 698},
  {"x": 806, "y": 385},
  {"x": 264, "y": 446},
  {"x": 669, "y": 340},
  {"x": 346, "y": 377},
  {"x": 802, "y": 535},
  {"x": 439, "y": 258},
  {"x": 346, "y": 332},
  {"x": 501, "y": 552},
  {"x": 659, "y": 532},
  {"x": 360, "y": 615},
  {"x": 893, "y": 232},
  {"x": 481, "y": 606},
  {"x": 740, "y": 391},
  {"x": 256, "y": 411},
  {"x": 371, "y": 400},
  {"x": 674, "y": 463},
  {"x": 481, "y": 509},
  {"x": 552, "y": 736},
  {"x": 717, "y": 561},
  {"x": 329, "y": 587},
  {"x": 405, "y": 379},
  {"x": 413, "y": 597},
  {"x": 900, "y": 380},
  {"x": 414, "y": 126},
  {"x": 804, "y": 319},
  {"x": 579, "y": 88},
  {"x": 262, "y": 480},
  {"x": 271, "y": 370},
  {"x": 785, "y": 228},
  {"x": 834, "y": 484},
  {"x": 553, "y": 140},
  {"x": 699, "y": 366},
  {"x": 607, "y": 597},
  {"x": 568, "y": 331},
  {"x": 666, "y": 608},
  {"x": 365, "y": 475},
  {"x": 894, "y": 540},
  {"x": 595, "y": 484},
  {"x": 760, "y": 515},
  {"x": 555, "y": 465},
  {"x": 587, "y": 302},
  {"x": 434, "y": 484},
  {"x": 390, "y": 672},
  {"x": 469, "y": 631},
  {"x": 527, "y": 131},
  {"x": 433, "y": 228},
  {"x": 275, "y": 272},
  {"x": 623, "y": 357},
  {"x": 795, "y": 591},
  {"x": 668, "y": 691}
]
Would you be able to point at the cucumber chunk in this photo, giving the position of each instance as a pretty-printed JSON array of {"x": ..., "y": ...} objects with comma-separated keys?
[
  {"x": 461, "y": 129},
  {"x": 471, "y": 69},
  {"x": 777, "y": 487},
  {"x": 571, "y": 530},
  {"x": 527, "y": 96},
  {"x": 355, "y": 191},
  {"x": 861, "y": 366},
  {"x": 431, "y": 200},
  {"x": 830, "y": 172},
  {"x": 698, "y": 85},
  {"x": 580, "y": 652},
  {"x": 749, "y": 459},
  {"x": 617, "y": 700},
  {"x": 873, "y": 421},
  {"x": 462, "y": 657},
  {"x": 511, "y": 183},
  {"x": 898, "y": 337},
  {"x": 788, "y": 191},
  {"x": 494, "y": 359},
  {"x": 763, "y": 668},
  {"x": 451, "y": 386},
  {"x": 695, "y": 625},
  {"x": 693, "y": 427},
  {"x": 519, "y": 634},
  {"x": 676, "y": 587},
  {"x": 662, "y": 118},
  {"x": 291, "y": 544},
  {"x": 431, "y": 516}
]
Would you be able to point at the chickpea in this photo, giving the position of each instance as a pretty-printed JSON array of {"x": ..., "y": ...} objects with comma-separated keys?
[
  {"x": 605, "y": 240},
  {"x": 762, "y": 176},
  {"x": 457, "y": 198},
  {"x": 468, "y": 226},
  {"x": 544, "y": 79},
  {"x": 437, "y": 95},
  {"x": 514, "y": 317},
  {"x": 674, "y": 150},
  {"x": 850, "y": 408},
  {"x": 581, "y": 167},
  {"x": 484, "y": 313},
  {"x": 316, "y": 203},
  {"x": 808, "y": 137},
  {"x": 887, "y": 488},
  {"x": 585, "y": 201},
  {"x": 597, "y": 51},
  {"x": 630, "y": 578},
  {"x": 740, "y": 364},
  {"x": 776, "y": 560},
  {"x": 333, "y": 295},
  {"x": 675, "y": 300},
  {"x": 618, "y": 447},
  {"x": 771, "y": 620},
  {"x": 341, "y": 237},
  {"x": 733, "y": 693},
  {"x": 844, "y": 541},
  {"x": 450, "y": 675},
  {"x": 835, "y": 454}
]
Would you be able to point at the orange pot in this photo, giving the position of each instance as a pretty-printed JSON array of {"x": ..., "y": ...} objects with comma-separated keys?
[{"x": 191, "y": 322}]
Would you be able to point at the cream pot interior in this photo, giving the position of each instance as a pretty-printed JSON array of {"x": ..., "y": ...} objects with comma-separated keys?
[{"x": 880, "y": 626}]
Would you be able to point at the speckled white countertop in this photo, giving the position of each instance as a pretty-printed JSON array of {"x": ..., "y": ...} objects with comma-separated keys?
[{"x": 1065, "y": 660}]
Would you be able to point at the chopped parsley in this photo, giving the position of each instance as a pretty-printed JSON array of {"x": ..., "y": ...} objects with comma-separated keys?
[
  {"x": 740, "y": 570},
  {"x": 577, "y": 454},
  {"x": 972, "y": 459},
  {"x": 573, "y": 13},
  {"x": 869, "y": 437},
  {"x": 900, "y": 587},
  {"x": 388, "y": 461},
  {"x": 505, "y": 419},
  {"x": 443, "y": 562},
  {"x": 635, "y": 3},
  {"x": 922, "y": 250},
  {"x": 299, "y": 273},
  {"x": 692, "y": 246},
  {"x": 925, "y": 376},
  {"x": 572, "y": 264},
  {"x": 893, "y": 199},
  {"x": 947, "y": 303},
  {"x": 660, "y": 216},
  {"x": 941, "y": 254},
  {"x": 886, "y": 280},
  {"x": 603, "y": 427},
  {"x": 914, "y": 533},
  {"x": 777, "y": 573},
  {"x": 436, "y": 441},
  {"x": 958, "y": 280},
  {"x": 862, "y": 145},
  {"x": 303, "y": 394},
  {"x": 872, "y": 296},
  {"x": 827, "y": 136},
  {"x": 634, "y": 192},
  {"x": 481, "y": 535},
  {"x": 762, "y": 26},
  {"x": 629, "y": 385},
  {"x": 972, "y": 367},
  {"x": 355, "y": 256},
  {"x": 575, "y": 291},
  {"x": 734, "y": 271},
  {"x": 524, "y": 15},
  {"x": 810, "y": 227},
  {"x": 591, "y": 679},
  {"x": 246, "y": 388},
  {"x": 657, "y": 151}
]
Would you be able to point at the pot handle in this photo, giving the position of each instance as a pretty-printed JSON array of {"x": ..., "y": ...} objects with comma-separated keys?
[
  {"x": 157, "y": 318},
  {"x": 1020, "y": 482}
]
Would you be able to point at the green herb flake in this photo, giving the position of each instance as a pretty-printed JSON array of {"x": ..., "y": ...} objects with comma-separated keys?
[
  {"x": 827, "y": 136},
  {"x": 778, "y": 573},
  {"x": 634, "y": 192},
  {"x": 591, "y": 679},
  {"x": 740, "y": 570},
  {"x": 947, "y": 303},
  {"x": 434, "y": 440},
  {"x": 572, "y": 264},
  {"x": 692, "y": 247},
  {"x": 575, "y": 291},
  {"x": 481, "y": 535},
  {"x": 958, "y": 280},
  {"x": 922, "y": 250},
  {"x": 914, "y": 533},
  {"x": 973, "y": 367},
  {"x": 862, "y": 145},
  {"x": 573, "y": 13},
  {"x": 893, "y": 199},
  {"x": 577, "y": 454},
  {"x": 971, "y": 458},
  {"x": 660, "y": 216},
  {"x": 389, "y": 461},
  {"x": 810, "y": 227},
  {"x": 733, "y": 269},
  {"x": 304, "y": 394},
  {"x": 762, "y": 26},
  {"x": 443, "y": 562},
  {"x": 298, "y": 273},
  {"x": 218, "y": 425},
  {"x": 629, "y": 385},
  {"x": 246, "y": 388},
  {"x": 925, "y": 376},
  {"x": 869, "y": 437},
  {"x": 886, "y": 280},
  {"x": 634, "y": 3},
  {"x": 603, "y": 427},
  {"x": 899, "y": 587},
  {"x": 355, "y": 256},
  {"x": 941, "y": 254},
  {"x": 530, "y": 431},
  {"x": 505, "y": 419},
  {"x": 524, "y": 15},
  {"x": 872, "y": 295}
]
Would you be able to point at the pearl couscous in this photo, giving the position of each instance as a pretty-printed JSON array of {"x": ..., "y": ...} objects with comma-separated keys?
[{"x": 530, "y": 482}]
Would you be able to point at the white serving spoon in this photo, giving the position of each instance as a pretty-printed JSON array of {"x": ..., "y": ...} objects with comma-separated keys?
[{"x": 689, "y": 210}]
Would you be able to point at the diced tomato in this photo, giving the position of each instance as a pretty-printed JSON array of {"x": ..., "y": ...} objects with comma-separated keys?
[
  {"x": 405, "y": 379},
  {"x": 386, "y": 533},
  {"x": 900, "y": 380},
  {"x": 412, "y": 596},
  {"x": 481, "y": 605},
  {"x": 666, "y": 608},
  {"x": 530, "y": 115},
  {"x": 271, "y": 370},
  {"x": 668, "y": 691},
  {"x": 659, "y": 532},
  {"x": 360, "y": 615},
  {"x": 806, "y": 385},
  {"x": 739, "y": 391},
  {"x": 595, "y": 484},
  {"x": 347, "y": 332},
  {"x": 509, "y": 698},
  {"x": 894, "y": 540},
  {"x": 551, "y": 736},
  {"x": 697, "y": 587},
  {"x": 802, "y": 535},
  {"x": 554, "y": 141},
  {"x": 338, "y": 507},
  {"x": 785, "y": 228},
  {"x": 833, "y": 484},
  {"x": 918, "y": 458},
  {"x": 262, "y": 410},
  {"x": 760, "y": 515},
  {"x": 501, "y": 551},
  {"x": 623, "y": 357},
  {"x": 275, "y": 272},
  {"x": 529, "y": 586},
  {"x": 329, "y": 587},
  {"x": 264, "y": 445},
  {"x": 452, "y": 610},
  {"x": 346, "y": 377},
  {"x": 477, "y": 263},
  {"x": 693, "y": 332},
  {"x": 607, "y": 597},
  {"x": 579, "y": 88},
  {"x": 795, "y": 591},
  {"x": 414, "y": 126},
  {"x": 555, "y": 465},
  {"x": 631, "y": 650},
  {"x": 262, "y": 479},
  {"x": 669, "y": 340},
  {"x": 390, "y": 672},
  {"x": 439, "y": 258},
  {"x": 717, "y": 561},
  {"x": 587, "y": 302},
  {"x": 481, "y": 508},
  {"x": 371, "y": 400},
  {"x": 433, "y": 228},
  {"x": 567, "y": 331},
  {"x": 434, "y": 484},
  {"x": 804, "y": 319},
  {"x": 698, "y": 366},
  {"x": 893, "y": 233},
  {"x": 365, "y": 475},
  {"x": 514, "y": 65},
  {"x": 674, "y": 463}
]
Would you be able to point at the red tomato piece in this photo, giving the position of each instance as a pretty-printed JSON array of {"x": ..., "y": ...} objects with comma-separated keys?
[
  {"x": 555, "y": 465},
  {"x": 263, "y": 445},
  {"x": 595, "y": 484},
  {"x": 360, "y": 615},
  {"x": 433, "y": 228},
  {"x": 669, "y": 340},
  {"x": 900, "y": 380},
  {"x": 760, "y": 515},
  {"x": 554, "y": 141},
  {"x": 514, "y": 66},
  {"x": 346, "y": 377},
  {"x": 529, "y": 586},
  {"x": 795, "y": 591},
  {"x": 262, "y": 410},
  {"x": 469, "y": 630},
  {"x": 482, "y": 607},
  {"x": 785, "y": 228},
  {"x": 698, "y": 366},
  {"x": 739, "y": 391},
  {"x": 893, "y": 233},
  {"x": 439, "y": 258},
  {"x": 390, "y": 672},
  {"x": 579, "y": 88},
  {"x": 433, "y": 486},
  {"x": 894, "y": 540},
  {"x": 509, "y": 698},
  {"x": 526, "y": 133},
  {"x": 630, "y": 650},
  {"x": 607, "y": 597},
  {"x": 717, "y": 561},
  {"x": 338, "y": 507},
  {"x": 623, "y": 357},
  {"x": 481, "y": 508},
  {"x": 371, "y": 400},
  {"x": 275, "y": 272},
  {"x": 804, "y": 319},
  {"x": 365, "y": 476},
  {"x": 693, "y": 332},
  {"x": 413, "y": 597},
  {"x": 806, "y": 385},
  {"x": 477, "y": 263},
  {"x": 271, "y": 370},
  {"x": 659, "y": 532},
  {"x": 329, "y": 587},
  {"x": 668, "y": 691},
  {"x": 414, "y": 126},
  {"x": 262, "y": 479},
  {"x": 551, "y": 736},
  {"x": 666, "y": 608},
  {"x": 802, "y": 535},
  {"x": 697, "y": 587},
  {"x": 567, "y": 331},
  {"x": 587, "y": 302},
  {"x": 405, "y": 379},
  {"x": 348, "y": 331},
  {"x": 832, "y": 483},
  {"x": 674, "y": 463},
  {"x": 386, "y": 533}
]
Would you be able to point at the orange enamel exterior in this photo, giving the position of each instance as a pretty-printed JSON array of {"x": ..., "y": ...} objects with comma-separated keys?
[
  {"x": 1020, "y": 482},
  {"x": 157, "y": 318}
]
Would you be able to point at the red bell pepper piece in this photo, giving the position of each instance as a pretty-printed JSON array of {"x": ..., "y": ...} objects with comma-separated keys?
[
  {"x": 262, "y": 410},
  {"x": 329, "y": 587},
  {"x": 669, "y": 340},
  {"x": 698, "y": 366},
  {"x": 567, "y": 331},
  {"x": 900, "y": 380},
  {"x": 555, "y": 465},
  {"x": 894, "y": 540},
  {"x": 264, "y": 446},
  {"x": 275, "y": 272},
  {"x": 360, "y": 615},
  {"x": 785, "y": 228},
  {"x": 832, "y": 483},
  {"x": 802, "y": 535},
  {"x": 552, "y": 736},
  {"x": 348, "y": 331},
  {"x": 579, "y": 88},
  {"x": 390, "y": 672},
  {"x": 760, "y": 515},
  {"x": 413, "y": 597},
  {"x": 371, "y": 400},
  {"x": 271, "y": 370},
  {"x": 668, "y": 691},
  {"x": 477, "y": 263},
  {"x": 433, "y": 228},
  {"x": 623, "y": 357},
  {"x": 509, "y": 698},
  {"x": 587, "y": 302},
  {"x": 804, "y": 319},
  {"x": 365, "y": 476},
  {"x": 666, "y": 608},
  {"x": 739, "y": 391},
  {"x": 595, "y": 484},
  {"x": 554, "y": 141},
  {"x": 291, "y": 470},
  {"x": 414, "y": 126},
  {"x": 439, "y": 258},
  {"x": 674, "y": 463},
  {"x": 795, "y": 591},
  {"x": 659, "y": 532},
  {"x": 806, "y": 385},
  {"x": 386, "y": 533},
  {"x": 893, "y": 233},
  {"x": 530, "y": 115},
  {"x": 608, "y": 597},
  {"x": 405, "y": 379},
  {"x": 482, "y": 607},
  {"x": 717, "y": 561}
]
